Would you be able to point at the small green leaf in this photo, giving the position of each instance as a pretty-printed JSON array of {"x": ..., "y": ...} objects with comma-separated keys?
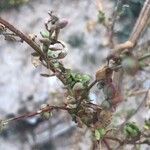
[
  {"x": 131, "y": 130},
  {"x": 56, "y": 64},
  {"x": 101, "y": 17},
  {"x": 97, "y": 135},
  {"x": 86, "y": 79},
  {"x": 45, "y": 34},
  {"x": 102, "y": 132}
]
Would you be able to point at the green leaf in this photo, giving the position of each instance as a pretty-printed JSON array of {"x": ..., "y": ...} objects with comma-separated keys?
[
  {"x": 101, "y": 17},
  {"x": 132, "y": 130},
  {"x": 86, "y": 79},
  {"x": 45, "y": 34},
  {"x": 97, "y": 135},
  {"x": 52, "y": 54},
  {"x": 56, "y": 64},
  {"x": 100, "y": 133}
]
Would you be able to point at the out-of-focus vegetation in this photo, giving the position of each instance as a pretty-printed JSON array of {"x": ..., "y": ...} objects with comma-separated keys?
[
  {"x": 128, "y": 15},
  {"x": 6, "y": 4}
]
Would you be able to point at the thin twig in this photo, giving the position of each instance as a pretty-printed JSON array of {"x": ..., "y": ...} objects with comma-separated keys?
[
  {"x": 32, "y": 114},
  {"x": 137, "y": 109},
  {"x": 106, "y": 144}
]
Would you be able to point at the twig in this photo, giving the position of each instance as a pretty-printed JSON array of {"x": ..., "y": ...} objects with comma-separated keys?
[
  {"x": 114, "y": 139},
  {"x": 137, "y": 109},
  {"x": 111, "y": 27},
  {"x": 139, "y": 92},
  {"x": 106, "y": 144},
  {"x": 126, "y": 141},
  {"x": 144, "y": 57},
  {"x": 91, "y": 85},
  {"x": 28, "y": 115}
]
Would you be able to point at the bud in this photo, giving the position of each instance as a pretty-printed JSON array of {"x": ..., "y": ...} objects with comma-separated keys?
[
  {"x": 130, "y": 65},
  {"x": 56, "y": 47}
]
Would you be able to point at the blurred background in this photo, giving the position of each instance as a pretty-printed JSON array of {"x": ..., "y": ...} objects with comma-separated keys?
[{"x": 22, "y": 89}]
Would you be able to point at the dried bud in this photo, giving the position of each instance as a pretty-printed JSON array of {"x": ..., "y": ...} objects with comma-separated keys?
[
  {"x": 103, "y": 73},
  {"x": 2, "y": 27},
  {"x": 32, "y": 37},
  {"x": 62, "y": 24},
  {"x": 56, "y": 47},
  {"x": 45, "y": 41},
  {"x": 36, "y": 61},
  {"x": 45, "y": 114},
  {"x": 130, "y": 65},
  {"x": 10, "y": 38},
  {"x": 2, "y": 125}
]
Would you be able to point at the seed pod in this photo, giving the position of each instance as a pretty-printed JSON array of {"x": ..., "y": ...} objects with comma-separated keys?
[
  {"x": 62, "y": 24},
  {"x": 130, "y": 65}
]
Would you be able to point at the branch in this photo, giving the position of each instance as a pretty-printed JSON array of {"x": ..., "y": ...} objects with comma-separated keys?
[
  {"x": 137, "y": 109},
  {"x": 138, "y": 29},
  {"x": 31, "y": 44}
]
